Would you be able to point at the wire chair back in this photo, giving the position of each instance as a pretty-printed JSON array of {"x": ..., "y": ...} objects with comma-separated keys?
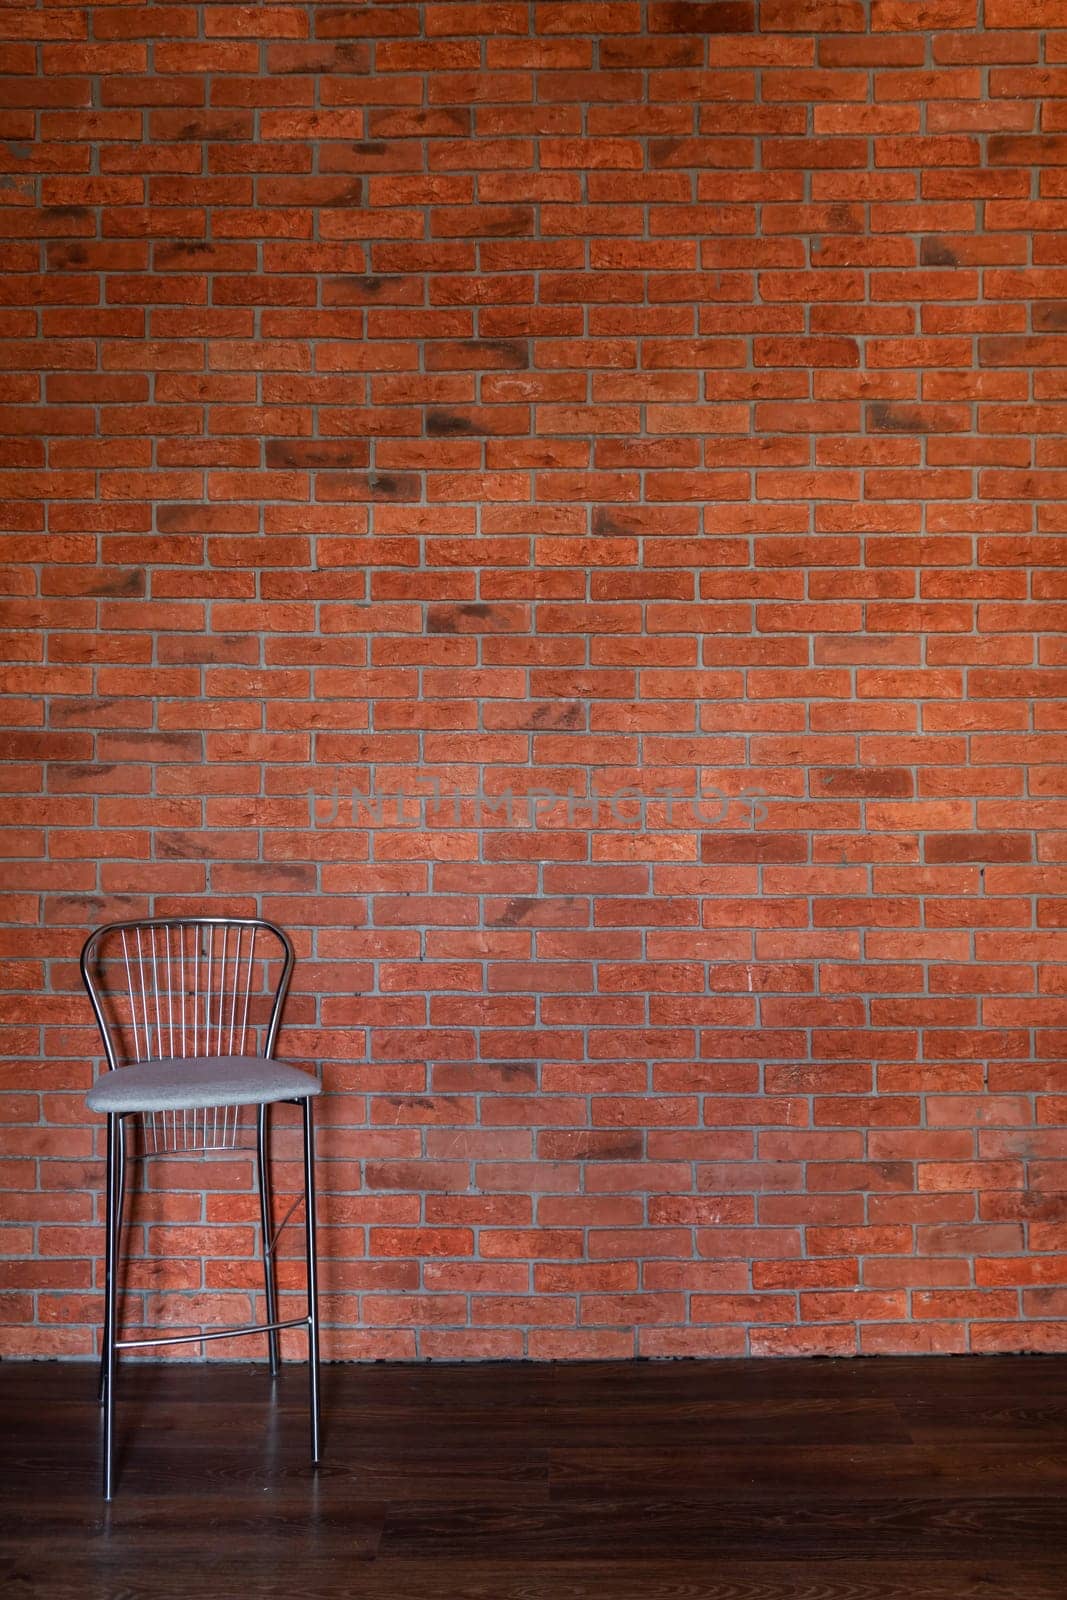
[{"x": 169, "y": 989}]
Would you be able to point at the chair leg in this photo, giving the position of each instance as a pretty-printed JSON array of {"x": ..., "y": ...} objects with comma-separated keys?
[
  {"x": 115, "y": 1174},
  {"x": 312, "y": 1274},
  {"x": 267, "y": 1230},
  {"x": 109, "y": 1201},
  {"x": 114, "y": 1207}
]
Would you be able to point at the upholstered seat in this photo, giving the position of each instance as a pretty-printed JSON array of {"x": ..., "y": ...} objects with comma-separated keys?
[{"x": 194, "y": 1082}]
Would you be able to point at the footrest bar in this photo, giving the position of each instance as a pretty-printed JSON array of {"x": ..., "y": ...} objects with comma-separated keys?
[{"x": 216, "y": 1333}]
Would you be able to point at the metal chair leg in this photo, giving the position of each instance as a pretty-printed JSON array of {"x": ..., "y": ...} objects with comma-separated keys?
[
  {"x": 114, "y": 1205},
  {"x": 267, "y": 1232},
  {"x": 115, "y": 1143},
  {"x": 109, "y": 1200},
  {"x": 312, "y": 1275}
]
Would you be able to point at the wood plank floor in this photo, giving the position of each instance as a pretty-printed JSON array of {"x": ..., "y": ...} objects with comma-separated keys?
[{"x": 775, "y": 1480}]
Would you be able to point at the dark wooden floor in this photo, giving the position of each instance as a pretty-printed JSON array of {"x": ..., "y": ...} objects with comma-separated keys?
[{"x": 812, "y": 1480}]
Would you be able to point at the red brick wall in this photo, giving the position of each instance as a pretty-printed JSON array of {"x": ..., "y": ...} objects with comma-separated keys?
[{"x": 581, "y": 397}]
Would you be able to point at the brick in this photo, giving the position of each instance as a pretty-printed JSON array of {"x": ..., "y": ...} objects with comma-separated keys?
[{"x": 395, "y": 444}]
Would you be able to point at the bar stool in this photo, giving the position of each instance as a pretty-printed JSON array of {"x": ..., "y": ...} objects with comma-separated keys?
[{"x": 189, "y": 1010}]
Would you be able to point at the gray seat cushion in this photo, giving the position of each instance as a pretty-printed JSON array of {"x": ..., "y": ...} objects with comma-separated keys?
[{"x": 185, "y": 1085}]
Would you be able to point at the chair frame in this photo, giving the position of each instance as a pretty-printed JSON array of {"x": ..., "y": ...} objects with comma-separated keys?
[{"x": 115, "y": 1180}]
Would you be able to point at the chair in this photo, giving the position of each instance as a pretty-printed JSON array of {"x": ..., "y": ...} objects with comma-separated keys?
[{"x": 189, "y": 1011}]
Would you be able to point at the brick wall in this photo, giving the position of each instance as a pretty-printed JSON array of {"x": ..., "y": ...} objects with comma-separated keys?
[{"x": 460, "y": 400}]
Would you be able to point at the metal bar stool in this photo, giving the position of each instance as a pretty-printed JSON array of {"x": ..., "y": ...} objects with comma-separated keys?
[{"x": 182, "y": 1004}]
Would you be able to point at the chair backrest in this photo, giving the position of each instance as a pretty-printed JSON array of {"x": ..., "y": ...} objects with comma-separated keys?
[{"x": 174, "y": 987}]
